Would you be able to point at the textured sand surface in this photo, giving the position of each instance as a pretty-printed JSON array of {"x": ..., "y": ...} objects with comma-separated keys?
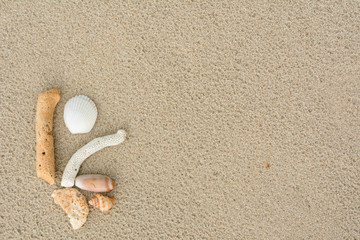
[{"x": 208, "y": 92}]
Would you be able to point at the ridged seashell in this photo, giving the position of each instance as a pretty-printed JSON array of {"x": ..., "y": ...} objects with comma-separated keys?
[
  {"x": 101, "y": 202},
  {"x": 80, "y": 114},
  {"x": 94, "y": 183}
]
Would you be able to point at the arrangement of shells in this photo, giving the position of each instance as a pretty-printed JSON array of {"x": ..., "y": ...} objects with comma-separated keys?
[{"x": 80, "y": 114}]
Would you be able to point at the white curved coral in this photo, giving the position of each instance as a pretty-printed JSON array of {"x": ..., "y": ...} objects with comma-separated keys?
[{"x": 93, "y": 146}]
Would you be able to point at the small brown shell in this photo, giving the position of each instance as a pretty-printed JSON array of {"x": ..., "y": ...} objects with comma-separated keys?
[
  {"x": 101, "y": 202},
  {"x": 94, "y": 183}
]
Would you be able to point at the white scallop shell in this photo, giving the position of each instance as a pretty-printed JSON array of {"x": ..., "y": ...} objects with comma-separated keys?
[{"x": 80, "y": 114}]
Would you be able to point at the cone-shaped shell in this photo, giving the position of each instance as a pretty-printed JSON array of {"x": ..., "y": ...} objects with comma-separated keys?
[
  {"x": 101, "y": 202},
  {"x": 94, "y": 183},
  {"x": 80, "y": 114}
]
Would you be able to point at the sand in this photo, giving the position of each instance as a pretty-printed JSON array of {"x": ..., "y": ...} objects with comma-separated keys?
[{"x": 243, "y": 118}]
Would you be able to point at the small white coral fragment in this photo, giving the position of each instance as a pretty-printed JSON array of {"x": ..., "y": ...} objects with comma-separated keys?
[{"x": 79, "y": 157}]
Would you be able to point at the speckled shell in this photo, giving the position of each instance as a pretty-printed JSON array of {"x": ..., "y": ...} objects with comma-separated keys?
[
  {"x": 101, "y": 202},
  {"x": 94, "y": 183},
  {"x": 80, "y": 114}
]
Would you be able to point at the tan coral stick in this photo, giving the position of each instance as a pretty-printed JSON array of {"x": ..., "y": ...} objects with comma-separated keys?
[{"x": 45, "y": 161}]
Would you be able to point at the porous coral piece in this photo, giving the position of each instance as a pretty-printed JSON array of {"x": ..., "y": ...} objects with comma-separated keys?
[
  {"x": 74, "y": 204},
  {"x": 45, "y": 161},
  {"x": 80, "y": 155}
]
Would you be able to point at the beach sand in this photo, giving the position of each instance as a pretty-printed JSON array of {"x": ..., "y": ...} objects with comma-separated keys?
[{"x": 243, "y": 119}]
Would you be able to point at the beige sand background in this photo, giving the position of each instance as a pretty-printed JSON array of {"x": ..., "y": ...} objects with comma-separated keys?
[{"x": 208, "y": 92}]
